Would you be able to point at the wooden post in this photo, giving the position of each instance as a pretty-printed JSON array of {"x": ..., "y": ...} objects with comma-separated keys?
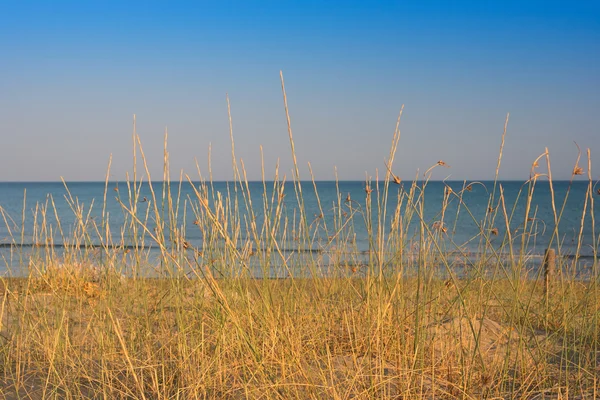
[{"x": 549, "y": 267}]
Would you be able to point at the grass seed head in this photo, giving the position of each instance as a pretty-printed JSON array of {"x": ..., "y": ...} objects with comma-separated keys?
[
  {"x": 439, "y": 225},
  {"x": 395, "y": 178}
]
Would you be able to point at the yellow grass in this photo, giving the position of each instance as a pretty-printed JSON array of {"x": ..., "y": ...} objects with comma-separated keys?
[{"x": 199, "y": 325}]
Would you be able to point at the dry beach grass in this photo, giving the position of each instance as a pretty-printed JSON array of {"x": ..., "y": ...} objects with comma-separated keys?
[
  {"x": 73, "y": 336},
  {"x": 105, "y": 321}
]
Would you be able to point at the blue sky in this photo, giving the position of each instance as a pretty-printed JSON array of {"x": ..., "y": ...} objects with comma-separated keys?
[{"x": 72, "y": 74}]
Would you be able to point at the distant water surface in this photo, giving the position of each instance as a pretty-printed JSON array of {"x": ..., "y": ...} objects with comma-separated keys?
[{"x": 21, "y": 199}]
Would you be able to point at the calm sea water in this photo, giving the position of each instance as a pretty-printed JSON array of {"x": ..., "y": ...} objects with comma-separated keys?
[{"x": 22, "y": 199}]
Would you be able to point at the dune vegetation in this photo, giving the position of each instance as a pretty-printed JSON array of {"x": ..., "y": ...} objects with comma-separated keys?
[{"x": 107, "y": 319}]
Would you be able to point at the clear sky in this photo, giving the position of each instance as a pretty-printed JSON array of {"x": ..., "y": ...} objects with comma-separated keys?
[{"x": 72, "y": 74}]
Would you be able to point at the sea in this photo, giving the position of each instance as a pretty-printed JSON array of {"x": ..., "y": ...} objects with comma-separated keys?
[{"x": 461, "y": 214}]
